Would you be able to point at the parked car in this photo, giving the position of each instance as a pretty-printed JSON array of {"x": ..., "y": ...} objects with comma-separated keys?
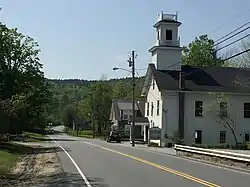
[
  {"x": 18, "y": 137},
  {"x": 114, "y": 135},
  {"x": 51, "y": 131}
]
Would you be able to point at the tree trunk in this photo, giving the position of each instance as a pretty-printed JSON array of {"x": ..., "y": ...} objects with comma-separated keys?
[
  {"x": 235, "y": 138},
  {"x": 93, "y": 129},
  {"x": 99, "y": 129}
]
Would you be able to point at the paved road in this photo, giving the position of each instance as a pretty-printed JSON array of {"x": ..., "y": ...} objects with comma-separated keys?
[{"x": 95, "y": 163}]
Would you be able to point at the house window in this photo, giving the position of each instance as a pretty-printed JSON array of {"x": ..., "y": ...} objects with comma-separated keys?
[
  {"x": 152, "y": 108},
  {"x": 198, "y": 137},
  {"x": 153, "y": 84},
  {"x": 198, "y": 108},
  {"x": 121, "y": 114},
  {"x": 130, "y": 117},
  {"x": 147, "y": 108},
  {"x": 246, "y": 137},
  {"x": 125, "y": 116},
  {"x": 138, "y": 113},
  {"x": 158, "y": 35},
  {"x": 158, "y": 108},
  {"x": 168, "y": 34},
  {"x": 222, "y": 136},
  {"x": 246, "y": 110},
  {"x": 223, "y": 109}
]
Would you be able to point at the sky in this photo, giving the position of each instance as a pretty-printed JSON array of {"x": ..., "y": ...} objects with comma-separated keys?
[{"x": 85, "y": 39}]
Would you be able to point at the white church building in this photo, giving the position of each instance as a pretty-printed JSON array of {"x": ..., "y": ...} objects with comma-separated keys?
[{"x": 193, "y": 103}]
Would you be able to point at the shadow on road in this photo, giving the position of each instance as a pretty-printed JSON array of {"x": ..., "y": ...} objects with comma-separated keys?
[
  {"x": 72, "y": 180},
  {"x": 49, "y": 140},
  {"x": 49, "y": 149},
  {"x": 60, "y": 180}
]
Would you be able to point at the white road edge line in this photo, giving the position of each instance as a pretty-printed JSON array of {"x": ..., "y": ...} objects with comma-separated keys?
[{"x": 76, "y": 166}]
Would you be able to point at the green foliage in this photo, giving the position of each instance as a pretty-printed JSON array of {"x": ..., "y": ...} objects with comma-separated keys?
[
  {"x": 201, "y": 53},
  {"x": 82, "y": 133},
  {"x": 121, "y": 90},
  {"x": 243, "y": 146},
  {"x": 88, "y": 100},
  {"x": 23, "y": 90},
  {"x": 100, "y": 101}
]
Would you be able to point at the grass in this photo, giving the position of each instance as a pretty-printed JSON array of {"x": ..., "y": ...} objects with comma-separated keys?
[
  {"x": 9, "y": 155},
  {"x": 33, "y": 137},
  {"x": 82, "y": 133}
]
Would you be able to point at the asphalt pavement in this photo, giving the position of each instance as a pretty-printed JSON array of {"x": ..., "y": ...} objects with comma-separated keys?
[{"x": 95, "y": 163}]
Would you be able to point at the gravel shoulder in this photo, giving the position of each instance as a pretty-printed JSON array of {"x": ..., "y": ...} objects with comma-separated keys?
[{"x": 35, "y": 168}]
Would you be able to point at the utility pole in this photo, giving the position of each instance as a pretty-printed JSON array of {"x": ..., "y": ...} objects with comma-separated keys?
[
  {"x": 132, "y": 64},
  {"x": 92, "y": 115},
  {"x": 76, "y": 121}
]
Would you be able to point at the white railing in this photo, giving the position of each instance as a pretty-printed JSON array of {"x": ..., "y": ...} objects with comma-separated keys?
[
  {"x": 170, "y": 42},
  {"x": 214, "y": 153},
  {"x": 167, "y": 17}
]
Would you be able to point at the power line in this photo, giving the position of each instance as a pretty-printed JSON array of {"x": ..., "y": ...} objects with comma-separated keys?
[
  {"x": 232, "y": 31},
  {"x": 140, "y": 69},
  {"x": 233, "y": 42},
  {"x": 231, "y": 36},
  {"x": 230, "y": 21},
  {"x": 237, "y": 54}
]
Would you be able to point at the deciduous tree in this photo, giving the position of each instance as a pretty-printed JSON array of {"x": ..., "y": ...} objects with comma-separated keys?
[{"x": 201, "y": 52}]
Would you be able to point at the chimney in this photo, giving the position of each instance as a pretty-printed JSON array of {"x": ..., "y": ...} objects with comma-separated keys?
[{"x": 181, "y": 81}]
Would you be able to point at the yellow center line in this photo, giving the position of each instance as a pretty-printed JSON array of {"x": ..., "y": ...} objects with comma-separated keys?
[{"x": 184, "y": 175}]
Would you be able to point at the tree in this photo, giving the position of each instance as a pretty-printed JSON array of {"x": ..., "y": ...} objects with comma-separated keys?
[
  {"x": 244, "y": 60},
  {"x": 68, "y": 116},
  {"x": 201, "y": 53},
  {"x": 22, "y": 83},
  {"x": 67, "y": 92},
  {"x": 121, "y": 90},
  {"x": 98, "y": 106},
  {"x": 225, "y": 115}
]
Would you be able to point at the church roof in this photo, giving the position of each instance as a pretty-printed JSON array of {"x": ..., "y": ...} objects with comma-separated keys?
[
  {"x": 167, "y": 21},
  {"x": 209, "y": 79}
]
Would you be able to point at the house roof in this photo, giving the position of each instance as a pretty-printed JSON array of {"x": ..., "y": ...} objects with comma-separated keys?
[
  {"x": 125, "y": 105},
  {"x": 118, "y": 105},
  {"x": 209, "y": 79},
  {"x": 167, "y": 21}
]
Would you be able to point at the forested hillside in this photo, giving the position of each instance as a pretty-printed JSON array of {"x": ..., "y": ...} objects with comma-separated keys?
[{"x": 82, "y": 99}]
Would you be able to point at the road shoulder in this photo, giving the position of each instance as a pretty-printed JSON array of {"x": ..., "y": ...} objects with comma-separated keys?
[{"x": 35, "y": 167}]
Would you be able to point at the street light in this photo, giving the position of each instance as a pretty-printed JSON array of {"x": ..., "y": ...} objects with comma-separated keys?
[
  {"x": 132, "y": 65},
  {"x": 116, "y": 68}
]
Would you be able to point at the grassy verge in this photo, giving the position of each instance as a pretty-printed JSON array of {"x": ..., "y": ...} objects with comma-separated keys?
[
  {"x": 33, "y": 137},
  {"x": 9, "y": 155},
  {"x": 82, "y": 133}
]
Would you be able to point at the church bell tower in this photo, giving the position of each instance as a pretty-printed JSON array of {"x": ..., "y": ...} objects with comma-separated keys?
[{"x": 167, "y": 53}]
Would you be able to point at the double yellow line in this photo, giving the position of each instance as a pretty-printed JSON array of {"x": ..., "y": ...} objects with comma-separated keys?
[{"x": 184, "y": 175}]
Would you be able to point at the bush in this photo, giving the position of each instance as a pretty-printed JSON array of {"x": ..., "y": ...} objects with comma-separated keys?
[
  {"x": 153, "y": 144},
  {"x": 242, "y": 146},
  {"x": 248, "y": 145},
  {"x": 81, "y": 133},
  {"x": 85, "y": 133},
  {"x": 218, "y": 146}
]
